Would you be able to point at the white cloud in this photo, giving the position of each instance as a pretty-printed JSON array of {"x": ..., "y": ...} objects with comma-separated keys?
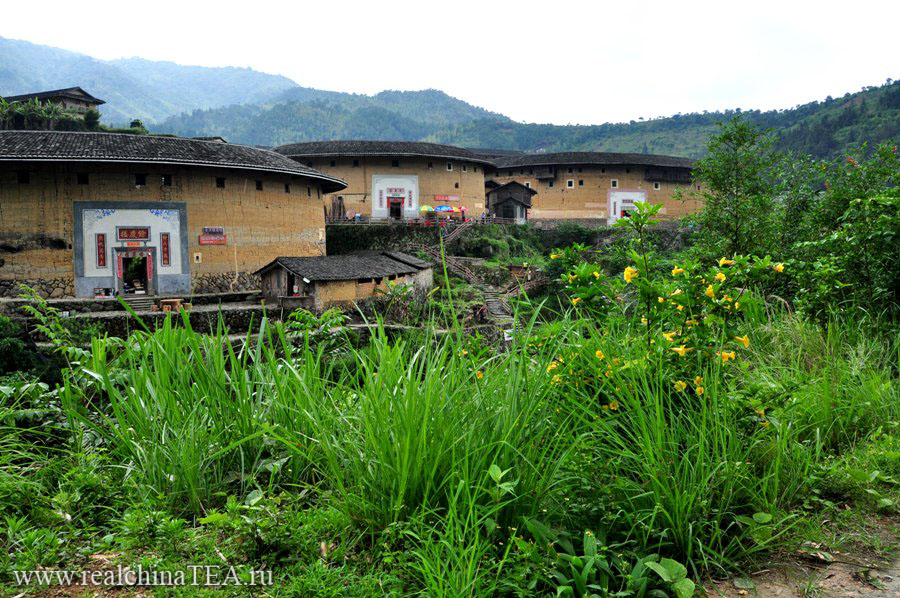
[{"x": 561, "y": 62}]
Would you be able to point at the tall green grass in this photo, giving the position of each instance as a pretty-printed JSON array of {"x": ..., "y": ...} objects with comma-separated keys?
[{"x": 417, "y": 432}]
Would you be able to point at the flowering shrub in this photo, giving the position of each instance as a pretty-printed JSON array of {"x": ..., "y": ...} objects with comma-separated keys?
[{"x": 690, "y": 317}]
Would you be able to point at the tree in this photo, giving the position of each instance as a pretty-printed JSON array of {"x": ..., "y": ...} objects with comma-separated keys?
[
  {"x": 736, "y": 182},
  {"x": 91, "y": 119}
]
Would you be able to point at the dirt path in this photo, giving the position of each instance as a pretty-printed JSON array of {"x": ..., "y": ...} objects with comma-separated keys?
[{"x": 802, "y": 579}]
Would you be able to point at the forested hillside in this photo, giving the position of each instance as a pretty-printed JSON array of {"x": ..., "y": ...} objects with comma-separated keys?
[
  {"x": 132, "y": 87},
  {"x": 247, "y": 106},
  {"x": 819, "y": 128}
]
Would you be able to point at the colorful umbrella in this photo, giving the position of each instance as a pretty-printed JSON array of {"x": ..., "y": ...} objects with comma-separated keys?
[
  {"x": 443, "y": 209},
  {"x": 426, "y": 209},
  {"x": 455, "y": 209}
]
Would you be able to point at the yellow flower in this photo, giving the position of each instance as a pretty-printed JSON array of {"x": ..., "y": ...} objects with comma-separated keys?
[
  {"x": 556, "y": 379},
  {"x": 661, "y": 299},
  {"x": 606, "y": 407},
  {"x": 675, "y": 292},
  {"x": 764, "y": 424},
  {"x": 676, "y": 271},
  {"x": 726, "y": 355},
  {"x": 761, "y": 412},
  {"x": 680, "y": 385},
  {"x": 596, "y": 275},
  {"x": 699, "y": 390},
  {"x": 737, "y": 304},
  {"x": 616, "y": 360},
  {"x": 614, "y": 405},
  {"x": 744, "y": 340},
  {"x": 691, "y": 322},
  {"x": 630, "y": 273},
  {"x": 682, "y": 350},
  {"x": 710, "y": 292},
  {"x": 572, "y": 277},
  {"x": 464, "y": 352},
  {"x": 726, "y": 298},
  {"x": 479, "y": 374},
  {"x": 779, "y": 267},
  {"x": 669, "y": 336},
  {"x": 720, "y": 277},
  {"x": 680, "y": 307},
  {"x": 554, "y": 256},
  {"x": 553, "y": 365},
  {"x": 599, "y": 354},
  {"x": 698, "y": 381},
  {"x": 576, "y": 300},
  {"x": 725, "y": 262},
  {"x": 644, "y": 321}
]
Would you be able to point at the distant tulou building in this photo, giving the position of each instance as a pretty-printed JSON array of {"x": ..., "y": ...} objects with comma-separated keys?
[
  {"x": 87, "y": 214},
  {"x": 396, "y": 180},
  {"x": 595, "y": 187}
]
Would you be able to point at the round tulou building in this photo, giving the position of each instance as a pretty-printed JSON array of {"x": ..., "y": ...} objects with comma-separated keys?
[
  {"x": 394, "y": 180},
  {"x": 595, "y": 187},
  {"x": 95, "y": 214}
]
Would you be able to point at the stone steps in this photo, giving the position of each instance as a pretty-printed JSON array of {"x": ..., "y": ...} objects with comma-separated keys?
[{"x": 140, "y": 303}]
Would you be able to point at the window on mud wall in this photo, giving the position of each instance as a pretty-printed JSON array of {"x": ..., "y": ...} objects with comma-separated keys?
[
  {"x": 656, "y": 186},
  {"x": 614, "y": 183},
  {"x": 570, "y": 184}
]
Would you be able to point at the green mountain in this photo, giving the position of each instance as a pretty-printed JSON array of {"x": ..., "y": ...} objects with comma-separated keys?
[
  {"x": 132, "y": 87},
  {"x": 301, "y": 114},
  {"x": 246, "y": 106}
]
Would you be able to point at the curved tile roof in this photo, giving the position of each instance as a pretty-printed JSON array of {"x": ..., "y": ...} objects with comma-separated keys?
[
  {"x": 314, "y": 149},
  {"x": 66, "y": 146},
  {"x": 602, "y": 158}
]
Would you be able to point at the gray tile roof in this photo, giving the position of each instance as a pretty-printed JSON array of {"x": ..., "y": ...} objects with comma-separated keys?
[
  {"x": 65, "y": 146},
  {"x": 348, "y": 267},
  {"x": 601, "y": 158},
  {"x": 74, "y": 93},
  {"x": 353, "y": 148}
]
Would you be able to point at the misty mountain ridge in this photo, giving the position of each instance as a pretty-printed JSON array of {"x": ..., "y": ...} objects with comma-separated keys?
[{"x": 247, "y": 106}]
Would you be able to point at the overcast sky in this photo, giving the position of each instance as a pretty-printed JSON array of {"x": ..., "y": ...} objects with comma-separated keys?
[{"x": 558, "y": 61}]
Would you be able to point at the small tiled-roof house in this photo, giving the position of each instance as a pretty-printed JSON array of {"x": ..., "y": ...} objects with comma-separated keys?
[
  {"x": 323, "y": 281},
  {"x": 511, "y": 201},
  {"x": 71, "y": 98}
]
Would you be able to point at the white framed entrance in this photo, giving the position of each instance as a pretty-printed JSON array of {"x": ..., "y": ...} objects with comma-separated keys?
[
  {"x": 135, "y": 270},
  {"x": 622, "y": 201}
]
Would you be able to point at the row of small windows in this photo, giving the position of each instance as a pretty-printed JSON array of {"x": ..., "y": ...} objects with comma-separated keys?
[
  {"x": 23, "y": 177},
  {"x": 396, "y": 164},
  {"x": 570, "y": 184}
]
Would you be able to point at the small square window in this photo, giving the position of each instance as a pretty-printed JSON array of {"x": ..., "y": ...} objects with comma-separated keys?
[
  {"x": 333, "y": 163},
  {"x": 166, "y": 180},
  {"x": 528, "y": 184},
  {"x": 550, "y": 184},
  {"x": 581, "y": 182},
  {"x": 309, "y": 192},
  {"x": 456, "y": 185},
  {"x": 82, "y": 178},
  {"x": 698, "y": 187},
  {"x": 140, "y": 180},
  {"x": 356, "y": 164},
  {"x": 431, "y": 165},
  {"x": 627, "y": 171},
  {"x": 259, "y": 185},
  {"x": 614, "y": 183},
  {"x": 23, "y": 177},
  {"x": 571, "y": 170},
  {"x": 602, "y": 171},
  {"x": 570, "y": 183},
  {"x": 287, "y": 187},
  {"x": 395, "y": 163},
  {"x": 449, "y": 165},
  {"x": 464, "y": 168},
  {"x": 220, "y": 182},
  {"x": 579, "y": 170},
  {"x": 656, "y": 186}
]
